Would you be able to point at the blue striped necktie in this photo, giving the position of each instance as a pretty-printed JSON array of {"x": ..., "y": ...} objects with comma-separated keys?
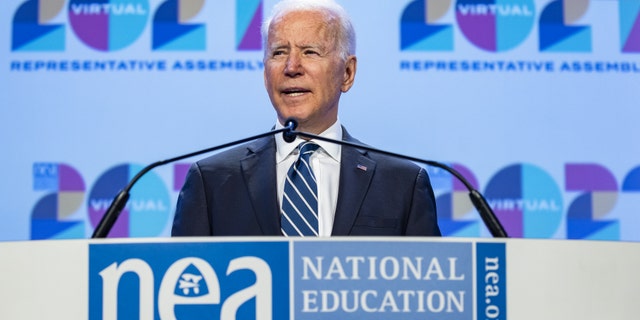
[{"x": 299, "y": 213}]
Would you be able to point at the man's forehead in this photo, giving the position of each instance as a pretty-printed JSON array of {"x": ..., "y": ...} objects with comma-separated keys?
[
  {"x": 302, "y": 14},
  {"x": 304, "y": 31},
  {"x": 302, "y": 20}
]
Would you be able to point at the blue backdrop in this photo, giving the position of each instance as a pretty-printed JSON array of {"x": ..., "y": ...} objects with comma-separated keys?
[{"x": 535, "y": 101}]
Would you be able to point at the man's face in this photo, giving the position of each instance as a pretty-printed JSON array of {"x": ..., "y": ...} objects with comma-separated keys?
[{"x": 304, "y": 74}]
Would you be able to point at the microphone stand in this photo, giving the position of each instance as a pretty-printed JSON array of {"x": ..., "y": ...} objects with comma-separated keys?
[
  {"x": 289, "y": 135},
  {"x": 120, "y": 200},
  {"x": 479, "y": 202}
]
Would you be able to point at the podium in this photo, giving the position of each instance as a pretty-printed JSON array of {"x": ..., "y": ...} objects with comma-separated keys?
[{"x": 332, "y": 278}]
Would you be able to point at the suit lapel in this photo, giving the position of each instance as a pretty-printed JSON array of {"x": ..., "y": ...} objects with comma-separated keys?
[
  {"x": 259, "y": 172},
  {"x": 356, "y": 172}
]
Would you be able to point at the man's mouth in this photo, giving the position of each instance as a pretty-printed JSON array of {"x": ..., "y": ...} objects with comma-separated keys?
[{"x": 294, "y": 92}]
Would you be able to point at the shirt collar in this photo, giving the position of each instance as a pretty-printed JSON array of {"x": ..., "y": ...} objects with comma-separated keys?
[{"x": 284, "y": 149}]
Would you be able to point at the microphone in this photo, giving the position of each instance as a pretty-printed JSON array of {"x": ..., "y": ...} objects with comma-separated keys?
[
  {"x": 477, "y": 199},
  {"x": 289, "y": 135},
  {"x": 120, "y": 200}
]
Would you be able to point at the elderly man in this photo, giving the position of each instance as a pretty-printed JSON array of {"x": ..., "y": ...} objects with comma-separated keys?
[{"x": 306, "y": 188}]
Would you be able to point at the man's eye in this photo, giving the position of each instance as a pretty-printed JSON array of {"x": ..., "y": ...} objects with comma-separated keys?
[
  {"x": 311, "y": 52},
  {"x": 278, "y": 53}
]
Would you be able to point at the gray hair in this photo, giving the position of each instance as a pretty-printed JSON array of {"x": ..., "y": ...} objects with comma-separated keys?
[{"x": 332, "y": 11}]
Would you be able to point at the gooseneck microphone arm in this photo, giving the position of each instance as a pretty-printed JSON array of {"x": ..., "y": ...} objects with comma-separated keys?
[
  {"x": 479, "y": 202},
  {"x": 120, "y": 200},
  {"x": 289, "y": 135}
]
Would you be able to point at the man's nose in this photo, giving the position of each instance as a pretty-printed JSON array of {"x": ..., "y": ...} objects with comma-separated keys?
[{"x": 293, "y": 67}]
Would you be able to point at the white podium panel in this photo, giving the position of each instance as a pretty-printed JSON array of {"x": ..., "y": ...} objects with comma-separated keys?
[{"x": 337, "y": 278}]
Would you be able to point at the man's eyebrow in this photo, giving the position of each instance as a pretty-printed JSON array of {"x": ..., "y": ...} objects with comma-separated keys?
[
  {"x": 315, "y": 46},
  {"x": 311, "y": 46},
  {"x": 278, "y": 45}
]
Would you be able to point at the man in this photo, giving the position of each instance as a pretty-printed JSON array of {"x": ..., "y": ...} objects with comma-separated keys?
[{"x": 255, "y": 189}]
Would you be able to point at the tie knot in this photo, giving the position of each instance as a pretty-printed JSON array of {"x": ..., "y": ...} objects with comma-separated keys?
[{"x": 307, "y": 149}]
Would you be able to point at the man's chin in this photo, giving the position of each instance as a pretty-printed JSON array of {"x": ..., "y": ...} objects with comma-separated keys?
[{"x": 299, "y": 117}]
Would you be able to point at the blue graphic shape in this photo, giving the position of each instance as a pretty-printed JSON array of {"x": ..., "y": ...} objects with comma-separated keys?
[
  {"x": 472, "y": 230},
  {"x": 555, "y": 36},
  {"x": 149, "y": 207},
  {"x": 170, "y": 34},
  {"x": 417, "y": 35},
  {"x": 629, "y": 13},
  {"x": 580, "y": 224},
  {"x": 512, "y": 29},
  {"x": 248, "y": 22},
  {"x": 50, "y": 38},
  {"x": 449, "y": 226},
  {"x": 527, "y": 201},
  {"x": 456, "y": 214},
  {"x": 632, "y": 181},
  {"x": 512, "y": 189},
  {"x": 108, "y": 25},
  {"x": 538, "y": 184},
  {"x": 52, "y": 215},
  {"x": 29, "y": 35},
  {"x": 437, "y": 38},
  {"x": 122, "y": 29},
  {"x": 586, "y": 212},
  {"x": 56, "y": 230},
  {"x": 176, "y": 37},
  {"x": 610, "y": 232},
  {"x": 46, "y": 225},
  {"x": 147, "y": 211},
  {"x": 581, "y": 208}
]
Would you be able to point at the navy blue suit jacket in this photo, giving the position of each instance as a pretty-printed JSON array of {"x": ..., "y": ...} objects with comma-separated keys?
[{"x": 233, "y": 193}]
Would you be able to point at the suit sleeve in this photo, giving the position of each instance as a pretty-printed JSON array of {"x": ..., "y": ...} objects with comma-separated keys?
[
  {"x": 192, "y": 218},
  {"x": 422, "y": 217}
]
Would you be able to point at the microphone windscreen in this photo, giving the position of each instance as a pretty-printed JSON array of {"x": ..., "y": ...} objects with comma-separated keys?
[{"x": 290, "y": 136}]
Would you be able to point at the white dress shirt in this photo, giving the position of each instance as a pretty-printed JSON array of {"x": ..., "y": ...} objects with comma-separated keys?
[{"x": 325, "y": 163}]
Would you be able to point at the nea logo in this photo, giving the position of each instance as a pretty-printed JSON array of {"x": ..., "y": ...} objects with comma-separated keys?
[{"x": 189, "y": 281}]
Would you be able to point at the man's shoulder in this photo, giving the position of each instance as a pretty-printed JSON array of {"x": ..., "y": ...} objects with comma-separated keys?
[
  {"x": 393, "y": 163},
  {"x": 235, "y": 154},
  {"x": 383, "y": 161}
]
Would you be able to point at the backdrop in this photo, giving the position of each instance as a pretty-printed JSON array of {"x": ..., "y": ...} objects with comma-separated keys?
[{"x": 536, "y": 102}]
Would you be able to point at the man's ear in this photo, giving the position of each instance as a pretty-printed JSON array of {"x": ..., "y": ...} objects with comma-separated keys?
[{"x": 349, "y": 78}]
